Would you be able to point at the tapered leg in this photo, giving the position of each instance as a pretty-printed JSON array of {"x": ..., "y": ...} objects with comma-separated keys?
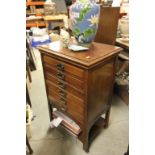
[
  {"x": 86, "y": 146},
  {"x": 28, "y": 97},
  {"x": 50, "y": 109},
  {"x": 107, "y": 115},
  {"x": 29, "y": 146},
  {"x": 127, "y": 153},
  {"x": 86, "y": 142}
]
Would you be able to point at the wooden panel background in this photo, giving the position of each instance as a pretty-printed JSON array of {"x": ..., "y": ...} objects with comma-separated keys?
[{"x": 108, "y": 22}]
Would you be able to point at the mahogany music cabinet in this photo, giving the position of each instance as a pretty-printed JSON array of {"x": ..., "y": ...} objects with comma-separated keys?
[{"x": 80, "y": 85}]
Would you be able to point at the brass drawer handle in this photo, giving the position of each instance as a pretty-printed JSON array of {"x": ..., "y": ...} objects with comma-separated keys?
[
  {"x": 63, "y": 108},
  {"x": 60, "y": 66},
  {"x": 62, "y": 85},
  {"x": 63, "y": 102},
  {"x": 60, "y": 76},
  {"x": 62, "y": 93}
]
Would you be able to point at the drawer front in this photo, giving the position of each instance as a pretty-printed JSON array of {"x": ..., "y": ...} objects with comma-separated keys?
[
  {"x": 54, "y": 75},
  {"x": 74, "y": 115},
  {"x": 63, "y": 86},
  {"x": 69, "y": 100},
  {"x": 68, "y": 104},
  {"x": 62, "y": 66},
  {"x": 64, "y": 94},
  {"x": 57, "y": 104}
]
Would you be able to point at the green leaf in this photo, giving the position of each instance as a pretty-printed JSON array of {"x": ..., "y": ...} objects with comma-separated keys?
[
  {"x": 81, "y": 17},
  {"x": 88, "y": 32},
  {"x": 76, "y": 31},
  {"x": 83, "y": 12}
]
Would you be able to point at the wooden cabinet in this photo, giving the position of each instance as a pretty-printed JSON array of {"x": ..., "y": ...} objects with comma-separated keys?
[{"x": 80, "y": 84}]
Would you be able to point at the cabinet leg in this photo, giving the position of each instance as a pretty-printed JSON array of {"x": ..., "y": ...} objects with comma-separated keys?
[
  {"x": 107, "y": 115},
  {"x": 28, "y": 100},
  {"x": 50, "y": 109},
  {"x": 86, "y": 143},
  {"x": 86, "y": 146},
  {"x": 29, "y": 146},
  {"x": 127, "y": 153}
]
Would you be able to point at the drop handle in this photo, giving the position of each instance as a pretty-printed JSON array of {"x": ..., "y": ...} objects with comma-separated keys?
[
  {"x": 60, "y": 66},
  {"x": 63, "y": 108},
  {"x": 62, "y": 93},
  {"x": 63, "y": 102},
  {"x": 62, "y": 85},
  {"x": 61, "y": 76}
]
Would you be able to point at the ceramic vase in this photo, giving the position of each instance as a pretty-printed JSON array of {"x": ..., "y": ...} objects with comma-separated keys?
[{"x": 84, "y": 17}]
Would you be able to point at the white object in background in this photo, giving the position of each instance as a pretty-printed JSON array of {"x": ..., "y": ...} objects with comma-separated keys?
[
  {"x": 54, "y": 37},
  {"x": 41, "y": 38},
  {"x": 28, "y": 123},
  {"x": 55, "y": 122},
  {"x": 77, "y": 48},
  {"x": 66, "y": 22},
  {"x": 124, "y": 7},
  {"x": 116, "y": 2},
  {"x": 124, "y": 25},
  {"x": 51, "y": 125},
  {"x": 48, "y": 2},
  {"x": 66, "y": 119},
  {"x": 54, "y": 109},
  {"x": 38, "y": 32},
  {"x": 65, "y": 38},
  {"x": 55, "y": 46},
  {"x": 125, "y": 1}
]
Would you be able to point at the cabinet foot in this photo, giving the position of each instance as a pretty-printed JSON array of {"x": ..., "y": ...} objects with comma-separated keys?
[
  {"x": 29, "y": 146},
  {"x": 86, "y": 143},
  {"x": 86, "y": 146},
  {"x": 50, "y": 109},
  {"x": 107, "y": 115}
]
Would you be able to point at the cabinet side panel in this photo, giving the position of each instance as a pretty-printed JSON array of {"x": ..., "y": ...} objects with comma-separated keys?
[
  {"x": 46, "y": 87},
  {"x": 100, "y": 87}
]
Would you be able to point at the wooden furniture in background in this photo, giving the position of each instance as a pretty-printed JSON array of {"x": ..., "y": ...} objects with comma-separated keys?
[
  {"x": 55, "y": 18},
  {"x": 122, "y": 44},
  {"x": 32, "y": 9},
  {"x": 30, "y": 57},
  {"x": 122, "y": 90},
  {"x": 80, "y": 84},
  {"x": 108, "y": 22},
  {"x": 36, "y": 22},
  {"x": 123, "y": 56},
  {"x": 59, "y": 19},
  {"x": 34, "y": 3}
]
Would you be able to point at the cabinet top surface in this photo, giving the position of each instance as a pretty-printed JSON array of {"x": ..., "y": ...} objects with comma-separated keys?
[{"x": 96, "y": 53}]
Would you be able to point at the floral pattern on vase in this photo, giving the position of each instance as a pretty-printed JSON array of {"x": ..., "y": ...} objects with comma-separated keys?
[{"x": 84, "y": 17}]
